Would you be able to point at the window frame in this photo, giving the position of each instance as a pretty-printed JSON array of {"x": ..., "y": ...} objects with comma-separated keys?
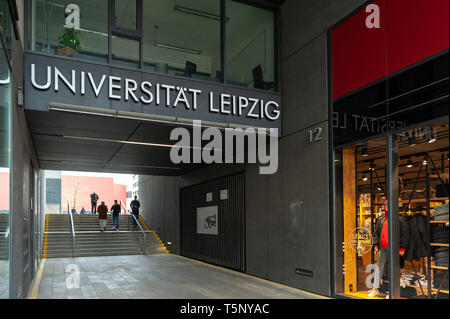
[{"x": 137, "y": 35}]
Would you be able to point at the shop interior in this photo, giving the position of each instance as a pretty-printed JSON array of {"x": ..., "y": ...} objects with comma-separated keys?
[{"x": 423, "y": 167}]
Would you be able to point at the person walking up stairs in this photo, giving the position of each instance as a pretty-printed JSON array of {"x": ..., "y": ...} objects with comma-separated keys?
[{"x": 102, "y": 216}]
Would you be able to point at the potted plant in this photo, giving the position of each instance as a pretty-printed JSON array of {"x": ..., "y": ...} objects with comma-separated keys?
[{"x": 69, "y": 42}]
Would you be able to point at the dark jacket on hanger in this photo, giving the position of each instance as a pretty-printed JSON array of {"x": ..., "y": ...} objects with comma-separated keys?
[
  {"x": 403, "y": 231},
  {"x": 418, "y": 238}
]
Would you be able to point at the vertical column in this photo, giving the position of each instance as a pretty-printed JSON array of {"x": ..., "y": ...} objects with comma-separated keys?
[
  {"x": 393, "y": 220},
  {"x": 349, "y": 205}
]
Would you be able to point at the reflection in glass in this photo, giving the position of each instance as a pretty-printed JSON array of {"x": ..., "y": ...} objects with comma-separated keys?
[
  {"x": 125, "y": 52},
  {"x": 54, "y": 25},
  {"x": 125, "y": 14},
  {"x": 182, "y": 38},
  {"x": 250, "y": 46}
]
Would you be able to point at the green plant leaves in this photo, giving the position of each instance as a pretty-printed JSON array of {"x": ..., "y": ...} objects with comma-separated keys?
[{"x": 70, "y": 38}]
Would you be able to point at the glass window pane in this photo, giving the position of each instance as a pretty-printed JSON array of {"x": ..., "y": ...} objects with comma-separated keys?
[
  {"x": 182, "y": 38},
  {"x": 77, "y": 29},
  {"x": 125, "y": 14},
  {"x": 125, "y": 52},
  {"x": 5, "y": 106},
  {"x": 421, "y": 150},
  {"x": 249, "y": 46},
  {"x": 6, "y": 26}
]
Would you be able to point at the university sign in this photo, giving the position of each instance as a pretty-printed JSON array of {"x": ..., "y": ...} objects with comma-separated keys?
[{"x": 50, "y": 80}]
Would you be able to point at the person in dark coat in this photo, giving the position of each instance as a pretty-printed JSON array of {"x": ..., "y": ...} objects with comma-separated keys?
[
  {"x": 135, "y": 205},
  {"x": 102, "y": 216},
  {"x": 94, "y": 199},
  {"x": 115, "y": 214}
]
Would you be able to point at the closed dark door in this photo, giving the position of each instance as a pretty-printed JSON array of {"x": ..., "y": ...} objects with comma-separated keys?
[{"x": 213, "y": 222}]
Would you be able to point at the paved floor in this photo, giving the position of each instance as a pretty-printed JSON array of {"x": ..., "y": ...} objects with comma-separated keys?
[
  {"x": 4, "y": 279},
  {"x": 153, "y": 276}
]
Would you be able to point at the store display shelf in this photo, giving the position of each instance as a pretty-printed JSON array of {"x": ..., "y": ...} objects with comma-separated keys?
[
  {"x": 424, "y": 200},
  {"x": 439, "y": 245},
  {"x": 439, "y": 222},
  {"x": 439, "y": 267},
  {"x": 442, "y": 175},
  {"x": 425, "y": 290}
]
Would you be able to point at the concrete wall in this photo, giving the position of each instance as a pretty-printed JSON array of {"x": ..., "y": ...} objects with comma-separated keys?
[
  {"x": 160, "y": 207},
  {"x": 288, "y": 214},
  {"x": 23, "y": 162}
]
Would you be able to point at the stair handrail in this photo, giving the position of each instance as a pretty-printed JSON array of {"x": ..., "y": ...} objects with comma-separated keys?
[
  {"x": 143, "y": 232},
  {"x": 73, "y": 228}
]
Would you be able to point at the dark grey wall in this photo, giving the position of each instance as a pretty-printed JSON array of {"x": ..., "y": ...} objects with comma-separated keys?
[
  {"x": 305, "y": 165},
  {"x": 23, "y": 163},
  {"x": 287, "y": 214},
  {"x": 227, "y": 248},
  {"x": 160, "y": 207}
]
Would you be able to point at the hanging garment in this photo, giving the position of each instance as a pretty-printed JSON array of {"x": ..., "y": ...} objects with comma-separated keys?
[
  {"x": 418, "y": 237},
  {"x": 378, "y": 232}
]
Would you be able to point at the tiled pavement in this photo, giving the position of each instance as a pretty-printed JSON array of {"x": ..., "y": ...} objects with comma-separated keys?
[
  {"x": 4, "y": 279},
  {"x": 153, "y": 276}
]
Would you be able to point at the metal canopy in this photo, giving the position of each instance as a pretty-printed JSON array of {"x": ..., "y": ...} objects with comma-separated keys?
[{"x": 81, "y": 142}]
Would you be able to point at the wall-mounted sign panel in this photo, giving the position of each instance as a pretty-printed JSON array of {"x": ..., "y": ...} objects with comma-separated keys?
[
  {"x": 207, "y": 220},
  {"x": 223, "y": 194},
  {"x": 52, "y": 80}
]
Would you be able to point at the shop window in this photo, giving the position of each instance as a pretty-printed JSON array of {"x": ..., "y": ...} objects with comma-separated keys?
[
  {"x": 76, "y": 29},
  {"x": 249, "y": 46},
  {"x": 182, "y": 38},
  {"x": 422, "y": 166}
]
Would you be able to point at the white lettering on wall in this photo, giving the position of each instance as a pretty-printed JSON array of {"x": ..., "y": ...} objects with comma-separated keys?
[{"x": 145, "y": 92}]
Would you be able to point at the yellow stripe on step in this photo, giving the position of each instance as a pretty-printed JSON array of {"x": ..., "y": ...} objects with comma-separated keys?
[{"x": 44, "y": 249}]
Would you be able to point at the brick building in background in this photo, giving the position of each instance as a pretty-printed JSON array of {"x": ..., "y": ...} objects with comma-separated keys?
[{"x": 76, "y": 188}]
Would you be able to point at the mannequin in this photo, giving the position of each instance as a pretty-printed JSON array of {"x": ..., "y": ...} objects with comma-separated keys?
[{"x": 381, "y": 243}]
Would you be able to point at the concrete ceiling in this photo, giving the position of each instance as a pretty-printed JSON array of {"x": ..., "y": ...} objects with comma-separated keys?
[{"x": 78, "y": 142}]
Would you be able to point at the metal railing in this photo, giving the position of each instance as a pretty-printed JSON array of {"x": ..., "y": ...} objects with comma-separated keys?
[
  {"x": 144, "y": 251},
  {"x": 72, "y": 227}
]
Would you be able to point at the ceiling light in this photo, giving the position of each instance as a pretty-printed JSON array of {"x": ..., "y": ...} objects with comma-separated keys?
[
  {"x": 410, "y": 164},
  {"x": 372, "y": 166},
  {"x": 176, "y": 48},
  {"x": 198, "y": 13},
  {"x": 425, "y": 162},
  {"x": 431, "y": 139},
  {"x": 379, "y": 188},
  {"x": 431, "y": 136},
  {"x": 365, "y": 151},
  {"x": 365, "y": 178},
  {"x": 412, "y": 141}
]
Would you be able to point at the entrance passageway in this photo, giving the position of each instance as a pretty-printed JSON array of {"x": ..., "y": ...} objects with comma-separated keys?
[{"x": 161, "y": 276}]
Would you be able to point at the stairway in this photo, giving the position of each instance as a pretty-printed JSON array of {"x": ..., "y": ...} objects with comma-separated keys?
[
  {"x": 4, "y": 242},
  {"x": 90, "y": 241}
]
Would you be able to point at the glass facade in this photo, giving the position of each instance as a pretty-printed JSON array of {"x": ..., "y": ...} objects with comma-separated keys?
[
  {"x": 183, "y": 38},
  {"x": 5, "y": 127},
  {"x": 391, "y": 144},
  {"x": 200, "y": 39},
  {"x": 77, "y": 29},
  {"x": 249, "y": 46},
  {"x": 421, "y": 169}
]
